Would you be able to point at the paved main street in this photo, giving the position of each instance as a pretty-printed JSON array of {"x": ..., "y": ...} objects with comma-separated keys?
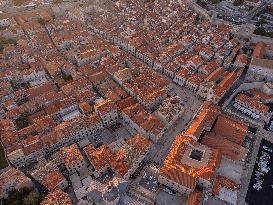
[{"x": 192, "y": 104}]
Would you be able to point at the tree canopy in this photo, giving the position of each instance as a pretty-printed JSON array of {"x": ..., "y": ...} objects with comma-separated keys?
[{"x": 23, "y": 196}]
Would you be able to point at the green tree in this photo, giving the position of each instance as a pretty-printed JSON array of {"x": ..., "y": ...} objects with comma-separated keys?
[
  {"x": 202, "y": 4},
  {"x": 22, "y": 121},
  {"x": 16, "y": 202},
  {"x": 41, "y": 21},
  {"x": 238, "y": 2},
  {"x": 57, "y": 1},
  {"x": 215, "y": 1},
  {"x": 16, "y": 197},
  {"x": 33, "y": 198},
  {"x": 262, "y": 32},
  {"x": 67, "y": 78},
  {"x": 261, "y": 22},
  {"x": 19, "y": 2},
  {"x": 197, "y": 19},
  {"x": 4, "y": 41}
]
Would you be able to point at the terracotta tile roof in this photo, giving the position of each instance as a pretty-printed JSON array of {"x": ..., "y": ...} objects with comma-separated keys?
[
  {"x": 133, "y": 110},
  {"x": 216, "y": 74},
  {"x": 123, "y": 74},
  {"x": 229, "y": 149},
  {"x": 85, "y": 95},
  {"x": 12, "y": 176},
  {"x": 172, "y": 66},
  {"x": 214, "y": 64},
  {"x": 178, "y": 177},
  {"x": 264, "y": 63},
  {"x": 206, "y": 69},
  {"x": 10, "y": 140},
  {"x": 76, "y": 85},
  {"x": 98, "y": 77},
  {"x": 54, "y": 68},
  {"x": 121, "y": 93},
  {"x": 118, "y": 161},
  {"x": 52, "y": 138},
  {"x": 260, "y": 95},
  {"x": 99, "y": 157},
  {"x": 196, "y": 60},
  {"x": 184, "y": 73},
  {"x": 196, "y": 78},
  {"x": 185, "y": 171},
  {"x": 139, "y": 142},
  {"x": 259, "y": 50},
  {"x": 71, "y": 155},
  {"x": 236, "y": 132},
  {"x": 252, "y": 102},
  {"x": 241, "y": 59},
  {"x": 151, "y": 124},
  {"x": 226, "y": 83},
  {"x": 105, "y": 107},
  {"x": 57, "y": 197},
  {"x": 31, "y": 144},
  {"x": 195, "y": 198},
  {"x": 114, "y": 97},
  {"x": 52, "y": 180},
  {"x": 53, "y": 108},
  {"x": 203, "y": 120},
  {"x": 12, "y": 113},
  {"x": 38, "y": 115},
  {"x": 85, "y": 107},
  {"x": 92, "y": 119},
  {"x": 220, "y": 182},
  {"x": 43, "y": 123},
  {"x": 41, "y": 89}
]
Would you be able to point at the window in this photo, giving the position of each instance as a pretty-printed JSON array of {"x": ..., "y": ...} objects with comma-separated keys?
[{"x": 196, "y": 154}]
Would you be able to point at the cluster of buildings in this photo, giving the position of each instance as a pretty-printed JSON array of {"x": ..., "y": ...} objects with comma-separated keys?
[
  {"x": 59, "y": 85},
  {"x": 57, "y": 197},
  {"x": 170, "y": 110},
  {"x": 121, "y": 157},
  {"x": 65, "y": 80},
  {"x": 252, "y": 3},
  {"x": 47, "y": 173},
  {"x": 260, "y": 68},
  {"x": 107, "y": 193},
  {"x": 201, "y": 155},
  {"x": 206, "y": 59},
  {"x": 13, "y": 179},
  {"x": 53, "y": 95},
  {"x": 254, "y": 103}
]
